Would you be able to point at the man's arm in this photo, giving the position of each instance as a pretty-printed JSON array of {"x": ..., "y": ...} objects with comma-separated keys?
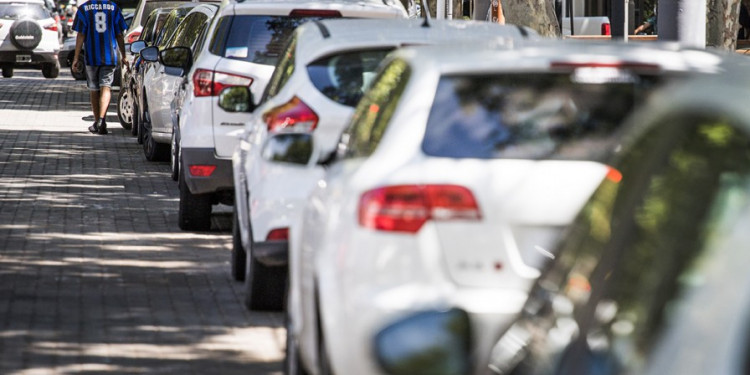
[
  {"x": 121, "y": 44},
  {"x": 79, "y": 44}
]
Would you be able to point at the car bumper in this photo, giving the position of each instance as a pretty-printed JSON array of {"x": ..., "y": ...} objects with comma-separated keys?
[
  {"x": 219, "y": 180},
  {"x": 23, "y": 59}
]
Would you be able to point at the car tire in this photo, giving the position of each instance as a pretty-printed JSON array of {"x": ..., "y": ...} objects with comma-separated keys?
[
  {"x": 238, "y": 259},
  {"x": 51, "y": 70},
  {"x": 125, "y": 108},
  {"x": 153, "y": 150},
  {"x": 136, "y": 120},
  {"x": 174, "y": 156},
  {"x": 265, "y": 286},
  {"x": 8, "y": 72},
  {"x": 195, "y": 209}
]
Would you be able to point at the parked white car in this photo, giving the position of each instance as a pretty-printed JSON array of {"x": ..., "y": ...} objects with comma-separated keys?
[
  {"x": 314, "y": 89},
  {"x": 28, "y": 38},
  {"x": 459, "y": 170},
  {"x": 160, "y": 81},
  {"x": 246, "y": 42}
]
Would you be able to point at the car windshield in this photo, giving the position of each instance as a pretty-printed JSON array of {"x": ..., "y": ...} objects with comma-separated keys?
[
  {"x": 14, "y": 11},
  {"x": 151, "y": 5},
  {"x": 260, "y": 39},
  {"x": 343, "y": 77},
  {"x": 532, "y": 115}
]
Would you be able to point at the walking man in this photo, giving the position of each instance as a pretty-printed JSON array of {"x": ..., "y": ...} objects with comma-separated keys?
[{"x": 100, "y": 26}]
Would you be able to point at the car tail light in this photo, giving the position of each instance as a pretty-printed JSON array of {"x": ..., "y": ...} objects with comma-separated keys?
[
  {"x": 133, "y": 36},
  {"x": 314, "y": 13},
  {"x": 606, "y": 29},
  {"x": 278, "y": 234},
  {"x": 51, "y": 27},
  {"x": 198, "y": 170},
  {"x": 405, "y": 208},
  {"x": 292, "y": 114},
  {"x": 210, "y": 83}
]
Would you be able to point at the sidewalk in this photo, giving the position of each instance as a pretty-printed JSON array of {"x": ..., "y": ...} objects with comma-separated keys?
[{"x": 95, "y": 275}]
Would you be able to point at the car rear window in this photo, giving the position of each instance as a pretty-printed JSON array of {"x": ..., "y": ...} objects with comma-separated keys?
[
  {"x": 14, "y": 11},
  {"x": 256, "y": 39},
  {"x": 533, "y": 115},
  {"x": 343, "y": 77}
]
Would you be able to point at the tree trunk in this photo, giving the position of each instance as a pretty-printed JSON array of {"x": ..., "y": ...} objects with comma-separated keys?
[
  {"x": 536, "y": 14},
  {"x": 722, "y": 23}
]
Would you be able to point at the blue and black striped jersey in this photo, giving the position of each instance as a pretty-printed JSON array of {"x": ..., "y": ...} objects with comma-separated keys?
[{"x": 100, "y": 21}]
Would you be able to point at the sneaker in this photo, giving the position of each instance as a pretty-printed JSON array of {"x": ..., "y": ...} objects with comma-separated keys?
[
  {"x": 95, "y": 127},
  {"x": 102, "y": 127}
]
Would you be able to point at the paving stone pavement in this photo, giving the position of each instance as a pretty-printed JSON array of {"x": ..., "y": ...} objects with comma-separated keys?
[{"x": 95, "y": 275}]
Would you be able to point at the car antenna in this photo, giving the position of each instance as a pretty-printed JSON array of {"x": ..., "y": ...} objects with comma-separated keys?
[{"x": 426, "y": 14}]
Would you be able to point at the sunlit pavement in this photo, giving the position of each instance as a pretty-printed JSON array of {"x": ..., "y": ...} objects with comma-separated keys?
[{"x": 95, "y": 275}]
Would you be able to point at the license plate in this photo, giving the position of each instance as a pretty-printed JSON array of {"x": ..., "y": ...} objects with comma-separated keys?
[{"x": 23, "y": 58}]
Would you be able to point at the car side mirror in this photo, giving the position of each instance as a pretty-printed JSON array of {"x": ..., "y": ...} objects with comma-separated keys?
[
  {"x": 292, "y": 148},
  {"x": 429, "y": 342},
  {"x": 150, "y": 54},
  {"x": 176, "y": 60},
  {"x": 137, "y": 46},
  {"x": 236, "y": 99}
]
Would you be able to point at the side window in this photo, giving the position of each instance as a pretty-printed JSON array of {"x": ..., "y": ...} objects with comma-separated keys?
[
  {"x": 283, "y": 70},
  {"x": 374, "y": 111},
  {"x": 640, "y": 244},
  {"x": 188, "y": 30}
]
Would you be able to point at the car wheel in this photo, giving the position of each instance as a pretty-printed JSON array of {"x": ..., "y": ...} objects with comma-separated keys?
[
  {"x": 264, "y": 285},
  {"x": 51, "y": 70},
  {"x": 8, "y": 72},
  {"x": 153, "y": 150},
  {"x": 174, "y": 156},
  {"x": 195, "y": 209},
  {"x": 292, "y": 362},
  {"x": 238, "y": 252},
  {"x": 125, "y": 108},
  {"x": 25, "y": 34},
  {"x": 136, "y": 120}
]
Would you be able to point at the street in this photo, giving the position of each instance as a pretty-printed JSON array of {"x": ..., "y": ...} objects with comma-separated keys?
[{"x": 95, "y": 275}]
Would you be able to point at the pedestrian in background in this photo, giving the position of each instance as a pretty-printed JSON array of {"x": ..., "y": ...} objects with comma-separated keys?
[{"x": 100, "y": 26}]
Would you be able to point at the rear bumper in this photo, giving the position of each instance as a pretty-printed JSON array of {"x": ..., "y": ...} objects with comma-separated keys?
[
  {"x": 219, "y": 180},
  {"x": 271, "y": 253},
  {"x": 33, "y": 60}
]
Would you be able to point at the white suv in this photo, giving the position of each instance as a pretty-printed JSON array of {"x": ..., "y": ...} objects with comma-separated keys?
[
  {"x": 28, "y": 38},
  {"x": 247, "y": 40}
]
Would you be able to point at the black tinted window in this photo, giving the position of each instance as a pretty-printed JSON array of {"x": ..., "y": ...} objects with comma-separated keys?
[
  {"x": 14, "y": 11},
  {"x": 189, "y": 30},
  {"x": 283, "y": 70},
  {"x": 151, "y": 5},
  {"x": 259, "y": 39},
  {"x": 531, "y": 115},
  {"x": 343, "y": 77},
  {"x": 640, "y": 245}
]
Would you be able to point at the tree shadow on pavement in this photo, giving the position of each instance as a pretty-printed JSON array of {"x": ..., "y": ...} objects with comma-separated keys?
[{"x": 96, "y": 277}]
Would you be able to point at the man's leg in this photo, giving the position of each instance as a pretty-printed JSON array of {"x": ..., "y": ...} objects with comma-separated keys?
[
  {"x": 104, "y": 98},
  {"x": 95, "y": 100}
]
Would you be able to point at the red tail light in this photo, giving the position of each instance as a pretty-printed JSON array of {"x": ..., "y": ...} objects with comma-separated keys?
[
  {"x": 295, "y": 113},
  {"x": 202, "y": 170},
  {"x": 405, "y": 208},
  {"x": 210, "y": 83},
  {"x": 51, "y": 27},
  {"x": 278, "y": 234},
  {"x": 606, "y": 29},
  {"x": 133, "y": 36},
  {"x": 614, "y": 175},
  {"x": 314, "y": 13}
]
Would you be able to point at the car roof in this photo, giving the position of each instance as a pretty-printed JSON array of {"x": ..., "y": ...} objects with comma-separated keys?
[
  {"x": 282, "y": 7},
  {"x": 331, "y": 35},
  {"x": 539, "y": 54},
  {"x": 22, "y": 1}
]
